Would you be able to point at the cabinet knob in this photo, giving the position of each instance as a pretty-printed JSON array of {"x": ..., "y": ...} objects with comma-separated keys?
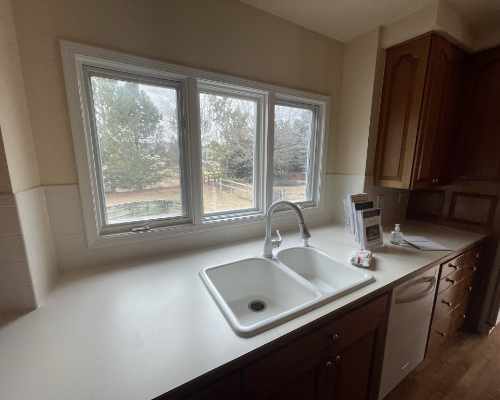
[
  {"x": 329, "y": 364},
  {"x": 335, "y": 337},
  {"x": 443, "y": 334},
  {"x": 338, "y": 358},
  {"x": 469, "y": 288}
]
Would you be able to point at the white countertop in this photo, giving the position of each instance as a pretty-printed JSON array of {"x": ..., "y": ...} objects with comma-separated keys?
[{"x": 141, "y": 329}]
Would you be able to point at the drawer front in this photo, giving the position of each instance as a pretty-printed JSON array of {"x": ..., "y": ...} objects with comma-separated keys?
[
  {"x": 450, "y": 300},
  {"x": 463, "y": 263},
  {"x": 456, "y": 279},
  {"x": 437, "y": 342},
  {"x": 448, "y": 321},
  {"x": 331, "y": 338}
]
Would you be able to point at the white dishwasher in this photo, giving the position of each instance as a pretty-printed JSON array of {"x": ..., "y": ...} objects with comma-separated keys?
[{"x": 408, "y": 328}]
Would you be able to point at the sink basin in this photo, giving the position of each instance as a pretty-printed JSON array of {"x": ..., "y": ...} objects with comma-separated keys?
[
  {"x": 256, "y": 293},
  {"x": 327, "y": 275}
]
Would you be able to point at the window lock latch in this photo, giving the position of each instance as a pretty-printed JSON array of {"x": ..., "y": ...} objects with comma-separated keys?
[{"x": 143, "y": 228}]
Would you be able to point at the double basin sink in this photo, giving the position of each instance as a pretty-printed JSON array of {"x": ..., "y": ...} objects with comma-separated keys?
[{"x": 255, "y": 294}]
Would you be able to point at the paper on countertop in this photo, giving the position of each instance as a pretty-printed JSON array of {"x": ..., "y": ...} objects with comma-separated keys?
[{"x": 422, "y": 243}]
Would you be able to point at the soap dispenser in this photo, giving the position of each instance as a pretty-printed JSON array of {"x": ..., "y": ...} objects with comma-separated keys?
[{"x": 396, "y": 236}]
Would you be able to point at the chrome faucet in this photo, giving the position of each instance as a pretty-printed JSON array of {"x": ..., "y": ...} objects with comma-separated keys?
[{"x": 270, "y": 243}]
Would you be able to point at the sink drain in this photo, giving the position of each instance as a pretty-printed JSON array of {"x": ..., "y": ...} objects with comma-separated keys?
[{"x": 257, "y": 305}]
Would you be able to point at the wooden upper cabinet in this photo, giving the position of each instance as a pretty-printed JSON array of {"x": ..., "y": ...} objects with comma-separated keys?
[
  {"x": 417, "y": 115},
  {"x": 479, "y": 158},
  {"x": 439, "y": 114}
]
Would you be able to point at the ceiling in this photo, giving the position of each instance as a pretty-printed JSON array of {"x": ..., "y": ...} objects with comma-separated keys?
[{"x": 345, "y": 19}]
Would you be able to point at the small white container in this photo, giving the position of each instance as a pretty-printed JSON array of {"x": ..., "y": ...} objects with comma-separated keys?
[{"x": 396, "y": 236}]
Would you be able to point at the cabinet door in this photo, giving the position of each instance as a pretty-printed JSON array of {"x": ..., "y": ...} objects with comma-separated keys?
[
  {"x": 439, "y": 114},
  {"x": 226, "y": 388},
  {"x": 481, "y": 118},
  {"x": 279, "y": 377},
  {"x": 353, "y": 370},
  {"x": 402, "y": 93},
  {"x": 339, "y": 360}
]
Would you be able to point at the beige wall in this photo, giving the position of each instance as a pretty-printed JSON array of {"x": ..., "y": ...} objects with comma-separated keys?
[
  {"x": 14, "y": 116},
  {"x": 415, "y": 24},
  {"x": 348, "y": 147},
  {"x": 5, "y": 186},
  {"x": 438, "y": 15},
  {"x": 451, "y": 22},
  {"x": 358, "y": 73},
  {"x": 220, "y": 35}
]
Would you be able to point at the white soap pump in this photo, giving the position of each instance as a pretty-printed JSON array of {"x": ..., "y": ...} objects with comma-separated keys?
[{"x": 396, "y": 235}]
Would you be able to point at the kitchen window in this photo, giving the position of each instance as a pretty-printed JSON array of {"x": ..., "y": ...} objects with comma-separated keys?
[
  {"x": 163, "y": 149},
  {"x": 231, "y": 141},
  {"x": 137, "y": 145},
  {"x": 295, "y": 130}
]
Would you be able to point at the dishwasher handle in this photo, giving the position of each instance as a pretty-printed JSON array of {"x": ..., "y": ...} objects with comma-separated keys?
[{"x": 431, "y": 280}]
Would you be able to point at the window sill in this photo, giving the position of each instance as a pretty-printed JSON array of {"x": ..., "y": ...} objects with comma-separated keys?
[{"x": 217, "y": 226}]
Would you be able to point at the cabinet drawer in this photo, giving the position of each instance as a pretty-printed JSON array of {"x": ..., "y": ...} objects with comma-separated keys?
[
  {"x": 453, "y": 298},
  {"x": 300, "y": 354},
  {"x": 464, "y": 263},
  {"x": 448, "y": 321},
  {"x": 436, "y": 343},
  {"x": 456, "y": 279}
]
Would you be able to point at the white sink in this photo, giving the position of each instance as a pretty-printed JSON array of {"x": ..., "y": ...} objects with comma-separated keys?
[
  {"x": 255, "y": 294},
  {"x": 329, "y": 276},
  {"x": 241, "y": 288}
]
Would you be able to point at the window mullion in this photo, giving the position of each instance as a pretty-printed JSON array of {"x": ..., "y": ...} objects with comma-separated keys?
[
  {"x": 312, "y": 158},
  {"x": 194, "y": 150},
  {"x": 269, "y": 151},
  {"x": 260, "y": 156}
]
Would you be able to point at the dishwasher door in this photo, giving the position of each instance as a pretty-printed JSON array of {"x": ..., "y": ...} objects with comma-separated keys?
[{"x": 408, "y": 328}]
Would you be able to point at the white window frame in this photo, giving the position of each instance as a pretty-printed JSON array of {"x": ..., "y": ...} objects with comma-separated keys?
[
  {"x": 94, "y": 156},
  {"x": 77, "y": 59},
  {"x": 259, "y": 96},
  {"x": 313, "y": 178}
]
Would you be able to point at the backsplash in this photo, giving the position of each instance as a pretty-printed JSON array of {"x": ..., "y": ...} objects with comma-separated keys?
[
  {"x": 16, "y": 289},
  {"x": 392, "y": 201},
  {"x": 66, "y": 219}
]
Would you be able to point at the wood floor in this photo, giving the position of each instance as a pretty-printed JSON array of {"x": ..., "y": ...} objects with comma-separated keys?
[{"x": 468, "y": 369}]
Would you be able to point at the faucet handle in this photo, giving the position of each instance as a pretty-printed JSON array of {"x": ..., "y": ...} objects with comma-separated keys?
[{"x": 276, "y": 242}]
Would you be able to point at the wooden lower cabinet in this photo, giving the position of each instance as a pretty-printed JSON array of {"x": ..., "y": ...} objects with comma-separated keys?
[
  {"x": 345, "y": 374},
  {"x": 339, "y": 359},
  {"x": 455, "y": 287},
  {"x": 228, "y": 387}
]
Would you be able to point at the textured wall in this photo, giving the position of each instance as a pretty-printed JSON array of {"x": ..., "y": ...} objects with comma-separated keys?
[{"x": 219, "y": 35}]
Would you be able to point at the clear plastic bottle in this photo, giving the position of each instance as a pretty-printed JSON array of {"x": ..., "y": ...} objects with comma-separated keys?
[{"x": 396, "y": 235}]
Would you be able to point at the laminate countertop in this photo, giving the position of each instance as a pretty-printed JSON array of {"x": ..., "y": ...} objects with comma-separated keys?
[{"x": 137, "y": 330}]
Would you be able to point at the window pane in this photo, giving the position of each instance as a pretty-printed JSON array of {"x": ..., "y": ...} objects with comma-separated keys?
[
  {"x": 293, "y": 128},
  {"x": 137, "y": 132},
  {"x": 228, "y": 137}
]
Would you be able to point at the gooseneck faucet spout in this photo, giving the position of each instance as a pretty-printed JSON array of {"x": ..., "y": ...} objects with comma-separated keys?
[{"x": 270, "y": 243}]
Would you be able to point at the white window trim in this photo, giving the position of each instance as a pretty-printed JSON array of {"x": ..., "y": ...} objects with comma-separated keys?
[
  {"x": 258, "y": 174},
  {"x": 76, "y": 55},
  {"x": 93, "y": 158}
]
